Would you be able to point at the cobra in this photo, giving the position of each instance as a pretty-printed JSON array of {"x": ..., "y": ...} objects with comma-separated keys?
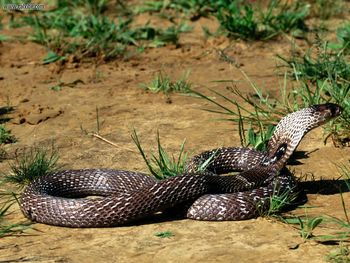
[{"x": 123, "y": 196}]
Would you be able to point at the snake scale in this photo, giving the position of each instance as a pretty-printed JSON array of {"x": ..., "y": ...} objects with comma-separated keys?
[{"x": 124, "y": 196}]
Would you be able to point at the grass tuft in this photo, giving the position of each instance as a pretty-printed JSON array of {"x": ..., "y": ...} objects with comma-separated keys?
[
  {"x": 340, "y": 254},
  {"x": 28, "y": 165},
  {"x": 32, "y": 163},
  {"x": 6, "y": 136},
  {"x": 306, "y": 225},
  {"x": 241, "y": 19},
  {"x": 163, "y": 166},
  {"x": 318, "y": 64},
  {"x": 164, "y": 234},
  {"x": 343, "y": 36},
  {"x": 193, "y": 9},
  {"x": 256, "y": 139},
  {"x": 325, "y": 9},
  {"x": 7, "y": 228},
  {"x": 163, "y": 83},
  {"x": 281, "y": 200}
]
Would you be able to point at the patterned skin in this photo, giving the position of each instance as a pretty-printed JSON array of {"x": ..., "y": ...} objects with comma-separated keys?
[{"x": 58, "y": 199}]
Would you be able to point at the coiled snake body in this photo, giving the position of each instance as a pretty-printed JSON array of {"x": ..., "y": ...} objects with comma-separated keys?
[{"x": 125, "y": 196}]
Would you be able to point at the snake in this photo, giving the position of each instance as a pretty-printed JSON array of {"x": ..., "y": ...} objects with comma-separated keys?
[{"x": 108, "y": 197}]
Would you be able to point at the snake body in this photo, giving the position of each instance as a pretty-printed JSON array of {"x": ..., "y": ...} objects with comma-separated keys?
[{"x": 125, "y": 196}]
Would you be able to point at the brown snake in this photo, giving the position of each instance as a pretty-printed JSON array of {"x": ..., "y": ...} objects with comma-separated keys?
[{"x": 125, "y": 196}]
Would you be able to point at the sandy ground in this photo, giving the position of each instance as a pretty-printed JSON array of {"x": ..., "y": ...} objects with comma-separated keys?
[{"x": 42, "y": 115}]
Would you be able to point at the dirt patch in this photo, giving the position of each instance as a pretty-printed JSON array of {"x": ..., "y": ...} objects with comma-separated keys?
[{"x": 43, "y": 114}]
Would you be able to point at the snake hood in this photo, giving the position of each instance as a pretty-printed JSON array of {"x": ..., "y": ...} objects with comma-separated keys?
[{"x": 292, "y": 128}]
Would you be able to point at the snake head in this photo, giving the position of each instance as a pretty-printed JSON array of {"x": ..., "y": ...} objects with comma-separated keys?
[{"x": 327, "y": 111}]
